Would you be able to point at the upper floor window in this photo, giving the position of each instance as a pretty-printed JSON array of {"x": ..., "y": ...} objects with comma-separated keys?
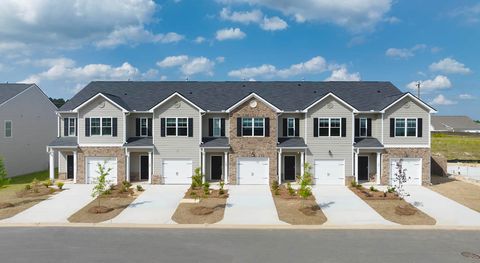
[
  {"x": 177, "y": 126},
  {"x": 143, "y": 127},
  {"x": 329, "y": 127},
  {"x": 217, "y": 127},
  {"x": 253, "y": 127},
  {"x": 8, "y": 129},
  {"x": 101, "y": 126},
  {"x": 363, "y": 127},
  {"x": 72, "y": 126},
  {"x": 291, "y": 127},
  {"x": 405, "y": 127}
]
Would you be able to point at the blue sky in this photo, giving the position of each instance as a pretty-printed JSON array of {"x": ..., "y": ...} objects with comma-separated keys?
[{"x": 63, "y": 45}]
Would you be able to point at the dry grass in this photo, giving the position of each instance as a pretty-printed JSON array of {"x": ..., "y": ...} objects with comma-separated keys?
[
  {"x": 207, "y": 211},
  {"x": 464, "y": 193},
  {"x": 456, "y": 146}
]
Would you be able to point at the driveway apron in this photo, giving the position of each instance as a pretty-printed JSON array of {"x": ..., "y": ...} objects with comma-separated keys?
[
  {"x": 154, "y": 206},
  {"x": 58, "y": 208},
  {"x": 250, "y": 205},
  {"x": 342, "y": 207},
  {"x": 443, "y": 209}
]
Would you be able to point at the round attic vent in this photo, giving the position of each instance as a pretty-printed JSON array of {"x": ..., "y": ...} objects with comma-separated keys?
[
  {"x": 177, "y": 104},
  {"x": 330, "y": 105},
  {"x": 406, "y": 105},
  {"x": 102, "y": 105},
  {"x": 253, "y": 103}
]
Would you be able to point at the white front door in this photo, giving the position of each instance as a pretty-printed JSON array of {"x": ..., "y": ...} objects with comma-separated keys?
[
  {"x": 252, "y": 170},
  {"x": 93, "y": 172},
  {"x": 177, "y": 171},
  {"x": 412, "y": 168},
  {"x": 330, "y": 172}
]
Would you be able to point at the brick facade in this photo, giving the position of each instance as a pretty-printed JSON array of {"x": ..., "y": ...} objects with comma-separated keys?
[
  {"x": 389, "y": 153},
  {"x": 117, "y": 152},
  {"x": 253, "y": 146}
]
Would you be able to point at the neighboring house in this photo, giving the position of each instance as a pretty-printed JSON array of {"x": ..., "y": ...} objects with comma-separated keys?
[
  {"x": 28, "y": 123},
  {"x": 454, "y": 124},
  {"x": 243, "y": 132}
]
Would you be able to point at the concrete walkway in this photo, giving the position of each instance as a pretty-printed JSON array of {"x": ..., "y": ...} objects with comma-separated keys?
[
  {"x": 342, "y": 207},
  {"x": 250, "y": 205},
  {"x": 444, "y": 210},
  {"x": 58, "y": 207},
  {"x": 154, "y": 206}
]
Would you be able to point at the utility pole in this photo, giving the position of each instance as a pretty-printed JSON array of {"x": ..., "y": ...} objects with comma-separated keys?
[{"x": 418, "y": 89}]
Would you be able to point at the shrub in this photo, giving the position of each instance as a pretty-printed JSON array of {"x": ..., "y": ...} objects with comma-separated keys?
[
  {"x": 353, "y": 183},
  {"x": 305, "y": 190},
  {"x": 127, "y": 184},
  {"x": 140, "y": 188},
  {"x": 48, "y": 183},
  {"x": 60, "y": 185},
  {"x": 35, "y": 183},
  {"x": 197, "y": 178},
  {"x": 291, "y": 191},
  {"x": 275, "y": 186},
  {"x": 206, "y": 188},
  {"x": 100, "y": 187},
  {"x": 3, "y": 175},
  {"x": 373, "y": 189},
  {"x": 391, "y": 189},
  {"x": 123, "y": 188},
  {"x": 28, "y": 187},
  {"x": 221, "y": 191}
]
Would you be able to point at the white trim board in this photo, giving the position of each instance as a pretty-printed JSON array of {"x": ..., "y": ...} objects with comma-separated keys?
[
  {"x": 96, "y": 96},
  {"x": 170, "y": 97},
  {"x": 335, "y": 97},
  {"x": 257, "y": 97}
]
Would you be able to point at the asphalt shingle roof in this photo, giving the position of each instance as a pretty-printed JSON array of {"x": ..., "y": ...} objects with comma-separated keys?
[
  {"x": 220, "y": 95},
  {"x": 64, "y": 142},
  {"x": 8, "y": 91},
  {"x": 291, "y": 142},
  {"x": 367, "y": 143},
  {"x": 214, "y": 142},
  {"x": 454, "y": 123},
  {"x": 139, "y": 142}
]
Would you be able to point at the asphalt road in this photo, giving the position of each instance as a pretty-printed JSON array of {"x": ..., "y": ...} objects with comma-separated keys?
[{"x": 88, "y": 245}]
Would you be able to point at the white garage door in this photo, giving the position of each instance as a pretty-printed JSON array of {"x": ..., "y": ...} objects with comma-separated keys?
[
  {"x": 177, "y": 171},
  {"x": 253, "y": 170},
  {"x": 93, "y": 172},
  {"x": 412, "y": 168},
  {"x": 330, "y": 172}
]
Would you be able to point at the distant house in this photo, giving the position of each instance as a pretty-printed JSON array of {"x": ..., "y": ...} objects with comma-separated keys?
[
  {"x": 454, "y": 124},
  {"x": 28, "y": 123}
]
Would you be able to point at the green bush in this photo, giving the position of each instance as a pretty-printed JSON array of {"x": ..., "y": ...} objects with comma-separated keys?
[
  {"x": 140, "y": 188},
  {"x": 127, "y": 184},
  {"x": 391, "y": 189},
  {"x": 48, "y": 183},
  {"x": 197, "y": 178},
  {"x": 206, "y": 188},
  {"x": 305, "y": 190},
  {"x": 353, "y": 183},
  {"x": 373, "y": 189},
  {"x": 291, "y": 191},
  {"x": 28, "y": 187},
  {"x": 60, "y": 185},
  {"x": 275, "y": 186},
  {"x": 221, "y": 191}
]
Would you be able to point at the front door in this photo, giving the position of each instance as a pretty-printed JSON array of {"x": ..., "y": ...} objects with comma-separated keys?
[
  {"x": 144, "y": 167},
  {"x": 216, "y": 168},
  {"x": 289, "y": 168},
  {"x": 362, "y": 168},
  {"x": 69, "y": 166}
]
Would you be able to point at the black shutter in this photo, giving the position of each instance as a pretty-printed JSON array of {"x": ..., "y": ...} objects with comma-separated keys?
[
  {"x": 162, "y": 127},
  {"x": 392, "y": 127},
  {"x": 344, "y": 127},
  {"x": 65, "y": 126},
  {"x": 210, "y": 127},
  {"x": 267, "y": 127},
  {"x": 87, "y": 127},
  {"x": 297, "y": 127},
  {"x": 419, "y": 127},
  {"x": 190, "y": 127},
  {"x": 369, "y": 127},
  {"x": 357, "y": 127},
  {"x": 315, "y": 127},
  {"x": 150, "y": 126},
  {"x": 137, "y": 125},
  {"x": 239, "y": 127},
  {"x": 114, "y": 127},
  {"x": 222, "y": 130},
  {"x": 285, "y": 121},
  {"x": 76, "y": 127}
]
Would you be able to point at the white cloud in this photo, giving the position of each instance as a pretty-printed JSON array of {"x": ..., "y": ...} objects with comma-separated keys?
[
  {"x": 439, "y": 82},
  {"x": 199, "y": 40},
  {"x": 314, "y": 65},
  {"x": 466, "y": 96},
  {"x": 229, "y": 33},
  {"x": 189, "y": 66},
  {"x": 405, "y": 52},
  {"x": 469, "y": 14},
  {"x": 355, "y": 15},
  {"x": 220, "y": 59},
  {"x": 441, "y": 100},
  {"x": 449, "y": 65},
  {"x": 341, "y": 74},
  {"x": 254, "y": 17},
  {"x": 264, "y": 70},
  {"x": 273, "y": 24},
  {"x": 134, "y": 35}
]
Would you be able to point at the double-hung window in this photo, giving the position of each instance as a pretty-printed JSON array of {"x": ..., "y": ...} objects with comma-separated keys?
[
  {"x": 101, "y": 126},
  {"x": 329, "y": 127},
  {"x": 143, "y": 127},
  {"x": 8, "y": 129},
  {"x": 253, "y": 127},
  {"x": 217, "y": 127},
  {"x": 182, "y": 126},
  {"x": 177, "y": 126},
  {"x": 106, "y": 126},
  {"x": 291, "y": 127},
  {"x": 72, "y": 123},
  {"x": 363, "y": 127},
  {"x": 405, "y": 127}
]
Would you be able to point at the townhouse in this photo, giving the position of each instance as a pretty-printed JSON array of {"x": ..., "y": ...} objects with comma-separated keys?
[{"x": 243, "y": 132}]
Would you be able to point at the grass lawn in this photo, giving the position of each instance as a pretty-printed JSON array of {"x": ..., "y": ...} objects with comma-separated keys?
[
  {"x": 453, "y": 146},
  {"x": 19, "y": 182}
]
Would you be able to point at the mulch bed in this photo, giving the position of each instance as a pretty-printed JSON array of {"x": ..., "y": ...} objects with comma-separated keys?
[
  {"x": 105, "y": 207},
  {"x": 295, "y": 210},
  {"x": 393, "y": 208},
  {"x": 193, "y": 193}
]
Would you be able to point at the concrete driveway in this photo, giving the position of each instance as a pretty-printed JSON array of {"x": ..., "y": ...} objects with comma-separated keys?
[
  {"x": 250, "y": 205},
  {"x": 58, "y": 207},
  {"x": 154, "y": 206},
  {"x": 342, "y": 207},
  {"x": 443, "y": 209}
]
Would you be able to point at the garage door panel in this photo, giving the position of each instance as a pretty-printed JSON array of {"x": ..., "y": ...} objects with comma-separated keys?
[
  {"x": 92, "y": 169},
  {"x": 177, "y": 171},
  {"x": 330, "y": 172},
  {"x": 412, "y": 168},
  {"x": 253, "y": 170}
]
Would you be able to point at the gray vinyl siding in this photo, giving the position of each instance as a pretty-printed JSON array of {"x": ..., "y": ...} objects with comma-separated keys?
[
  {"x": 170, "y": 147},
  {"x": 66, "y": 115},
  {"x": 34, "y": 126},
  {"x": 301, "y": 116},
  {"x": 407, "y": 108},
  {"x": 93, "y": 109},
  {"x": 340, "y": 147},
  {"x": 132, "y": 125},
  {"x": 207, "y": 116},
  {"x": 376, "y": 123}
]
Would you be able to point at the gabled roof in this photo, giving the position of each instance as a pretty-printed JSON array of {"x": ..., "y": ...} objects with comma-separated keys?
[
  {"x": 408, "y": 94},
  {"x": 253, "y": 95},
  {"x": 221, "y": 95},
  {"x": 115, "y": 100},
  {"x": 8, "y": 91},
  {"x": 453, "y": 123}
]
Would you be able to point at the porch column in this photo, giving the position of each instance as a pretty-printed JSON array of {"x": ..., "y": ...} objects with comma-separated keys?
[
  {"x": 279, "y": 166},
  {"x": 302, "y": 163},
  {"x": 203, "y": 166},
  {"x": 127, "y": 172},
  {"x": 355, "y": 172},
  {"x": 75, "y": 167},
  {"x": 225, "y": 167},
  {"x": 379, "y": 168},
  {"x": 150, "y": 161},
  {"x": 51, "y": 165}
]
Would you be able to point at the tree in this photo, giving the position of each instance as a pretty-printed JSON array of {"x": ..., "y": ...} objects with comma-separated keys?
[
  {"x": 305, "y": 190},
  {"x": 100, "y": 187},
  {"x": 58, "y": 102},
  {"x": 399, "y": 178},
  {"x": 3, "y": 174}
]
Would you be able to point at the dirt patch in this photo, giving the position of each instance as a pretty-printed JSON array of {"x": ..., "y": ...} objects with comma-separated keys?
[
  {"x": 207, "y": 211},
  {"x": 292, "y": 209},
  {"x": 193, "y": 193},
  {"x": 99, "y": 209},
  {"x": 464, "y": 193},
  {"x": 6, "y": 205},
  {"x": 393, "y": 208}
]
